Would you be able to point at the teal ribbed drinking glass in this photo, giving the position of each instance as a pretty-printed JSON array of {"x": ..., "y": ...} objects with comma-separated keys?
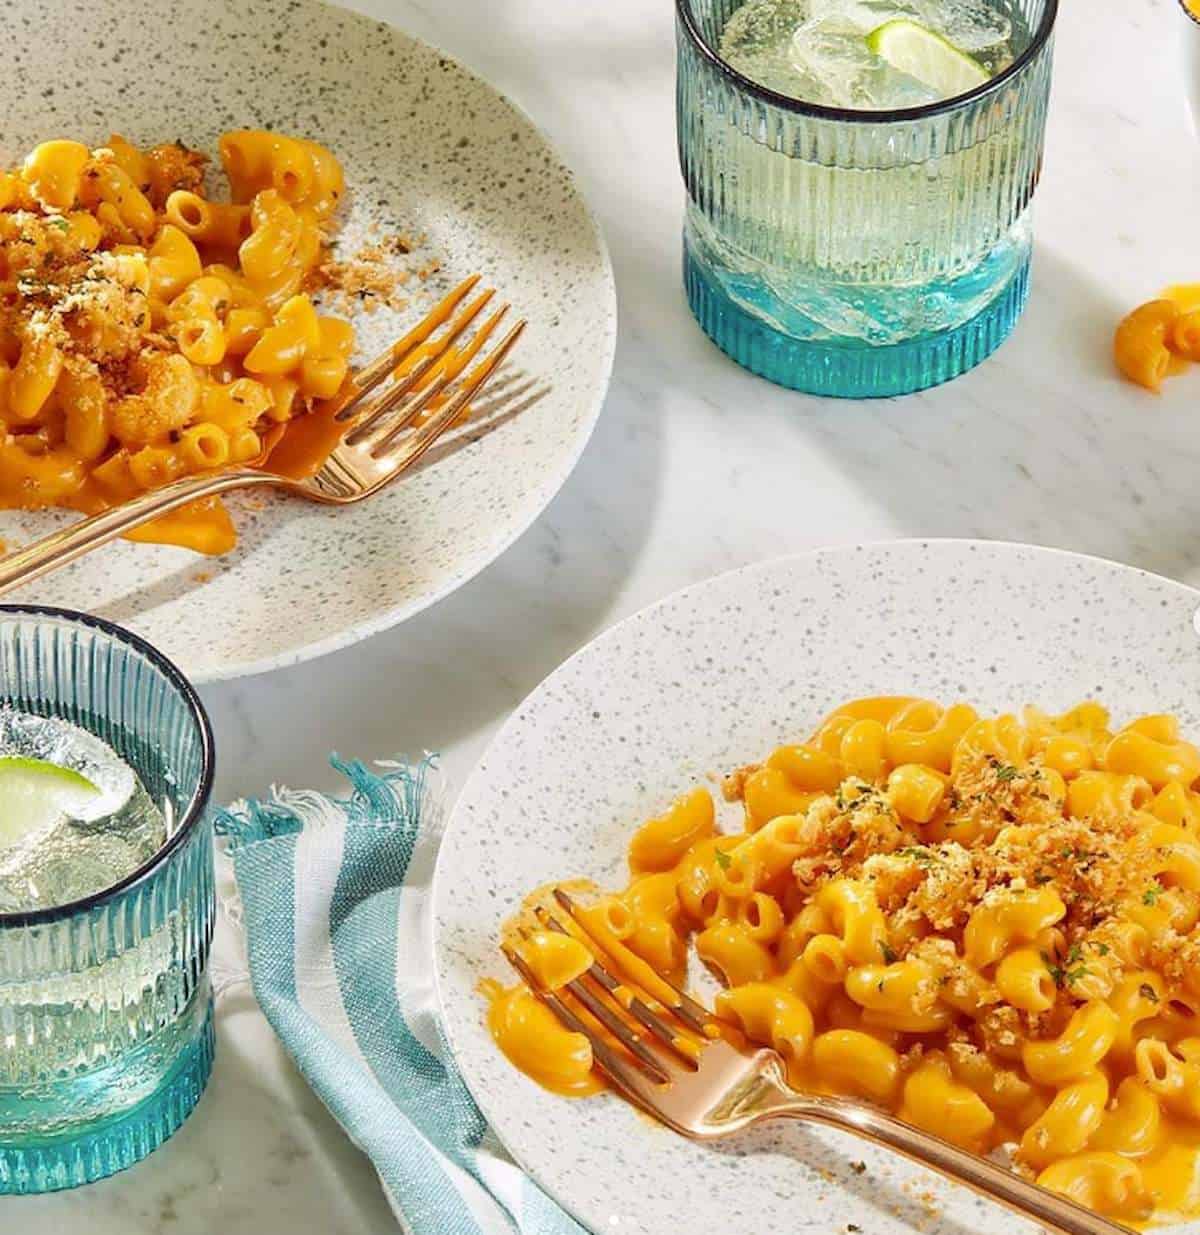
[
  {"x": 854, "y": 252},
  {"x": 106, "y": 1038}
]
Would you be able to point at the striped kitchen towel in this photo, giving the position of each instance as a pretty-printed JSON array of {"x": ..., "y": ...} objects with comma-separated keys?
[{"x": 334, "y": 894}]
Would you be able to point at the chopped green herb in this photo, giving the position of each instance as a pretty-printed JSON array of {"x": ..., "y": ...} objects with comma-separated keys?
[
  {"x": 1103, "y": 949},
  {"x": 1006, "y": 772},
  {"x": 1150, "y": 895},
  {"x": 888, "y": 955},
  {"x": 721, "y": 858},
  {"x": 1074, "y": 953},
  {"x": 1074, "y": 975},
  {"x": 62, "y": 224},
  {"x": 918, "y": 853}
]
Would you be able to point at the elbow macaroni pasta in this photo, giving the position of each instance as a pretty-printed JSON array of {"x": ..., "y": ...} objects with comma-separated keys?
[
  {"x": 988, "y": 925},
  {"x": 147, "y": 333},
  {"x": 1159, "y": 338}
]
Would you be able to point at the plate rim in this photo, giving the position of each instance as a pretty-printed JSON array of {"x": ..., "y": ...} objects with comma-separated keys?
[
  {"x": 454, "y": 814},
  {"x": 396, "y": 616}
]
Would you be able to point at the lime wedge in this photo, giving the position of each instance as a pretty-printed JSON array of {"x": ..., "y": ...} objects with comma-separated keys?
[
  {"x": 33, "y": 794},
  {"x": 919, "y": 52}
]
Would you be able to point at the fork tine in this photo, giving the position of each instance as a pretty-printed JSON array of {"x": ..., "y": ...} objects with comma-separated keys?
[
  {"x": 425, "y": 358},
  {"x": 641, "y": 1012},
  {"x": 439, "y": 373},
  {"x": 624, "y": 1077},
  {"x": 368, "y": 377},
  {"x": 383, "y": 364},
  {"x": 454, "y": 360},
  {"x": 695, "y": 1016},
  {"x": 380, "y": 416},
  {"x": 420, "y": 441},
  {"x": 441, "y": 346},
  {"x": 620, "y": 1029}
]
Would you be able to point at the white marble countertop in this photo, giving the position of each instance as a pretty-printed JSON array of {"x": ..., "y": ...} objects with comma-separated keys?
[{"x": 695, "y": 468}]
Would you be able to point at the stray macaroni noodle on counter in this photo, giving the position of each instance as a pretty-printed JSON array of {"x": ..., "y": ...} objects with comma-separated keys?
[
  {"x": 986, "y": 925},
  {"x": 1161, "y": 338},
  {"x": 147, "y": 332}
]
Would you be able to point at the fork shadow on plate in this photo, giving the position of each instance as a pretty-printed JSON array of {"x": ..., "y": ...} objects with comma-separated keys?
[
  {"x": 920, "y": 1206},
  {"x": 513, "y": 392}
]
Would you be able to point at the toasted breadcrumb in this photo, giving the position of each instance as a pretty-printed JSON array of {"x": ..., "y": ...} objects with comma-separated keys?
[{"x": 374, "y": 276}]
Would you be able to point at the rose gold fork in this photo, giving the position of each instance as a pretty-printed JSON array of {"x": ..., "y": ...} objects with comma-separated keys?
[
  {"x": 711, "y": 1088},
  {"x": 432, "y": 374}
]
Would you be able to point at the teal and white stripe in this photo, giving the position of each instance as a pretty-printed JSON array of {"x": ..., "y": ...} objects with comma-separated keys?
[{"x": 335, "y": 897}]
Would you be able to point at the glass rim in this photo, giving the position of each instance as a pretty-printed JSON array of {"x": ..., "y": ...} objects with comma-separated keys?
[
  {"x": 848, "y": 114},
  {"x": 195, "y": 812},
  {"x": 1193, "y": 15}
]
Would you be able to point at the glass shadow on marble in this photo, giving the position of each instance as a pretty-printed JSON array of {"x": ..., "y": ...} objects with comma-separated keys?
[
  {"x": 858, "y": 253},
  {"x": 106, "y": 1038}
]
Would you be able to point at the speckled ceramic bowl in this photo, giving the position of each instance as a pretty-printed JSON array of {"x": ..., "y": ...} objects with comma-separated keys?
[
  {"x": 428, "y": 149},
  {"x": 713, "y": 678}
]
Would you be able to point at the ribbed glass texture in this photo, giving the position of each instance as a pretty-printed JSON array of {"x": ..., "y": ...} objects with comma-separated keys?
[
  {"x": 105, "y": 1009},
  {"x": 857, "y": 253}
]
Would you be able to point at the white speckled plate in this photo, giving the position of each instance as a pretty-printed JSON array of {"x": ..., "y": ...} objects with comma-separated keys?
[
  {"x": 715, "y": 677},
  {"x": 429, "y": 149}
]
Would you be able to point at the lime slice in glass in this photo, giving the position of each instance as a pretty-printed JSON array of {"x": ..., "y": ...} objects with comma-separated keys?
[
  {"x": 918, "y": 51},
  {"x": 34, "y": 794}
]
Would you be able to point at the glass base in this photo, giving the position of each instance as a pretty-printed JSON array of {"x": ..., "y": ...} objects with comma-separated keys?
[
  {"x": 851, "y": 368},
  {"x": 80, "y": 1154}
]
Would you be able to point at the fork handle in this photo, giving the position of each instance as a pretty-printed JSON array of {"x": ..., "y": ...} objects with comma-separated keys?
[
  {"x": 982, "y": 1175},
  {"x": 69, "y": 543}
]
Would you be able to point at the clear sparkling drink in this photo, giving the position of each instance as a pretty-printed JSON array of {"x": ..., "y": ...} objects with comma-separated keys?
[
  {"x": 106, "y": 900},
  {"x": 85, "y": 831},
  {"x": 857, "y": 226}
]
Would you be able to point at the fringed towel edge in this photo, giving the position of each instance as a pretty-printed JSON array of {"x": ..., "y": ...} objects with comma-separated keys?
[{"x": 393, "y": 797}]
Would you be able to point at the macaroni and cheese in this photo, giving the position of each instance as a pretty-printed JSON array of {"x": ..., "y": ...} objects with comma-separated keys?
[
  {"x": 148, "y": 332},
  {"x": 988, "y": 925}
]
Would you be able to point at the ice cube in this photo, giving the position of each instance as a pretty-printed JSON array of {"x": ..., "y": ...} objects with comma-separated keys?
[
  {"x": 971, "y": 25},
  {"x": 839, "y": 62},
  {"x": 858, "y": 16},
  {"x": 70, "y": 857},
  {"x": 851, "y": 75}
]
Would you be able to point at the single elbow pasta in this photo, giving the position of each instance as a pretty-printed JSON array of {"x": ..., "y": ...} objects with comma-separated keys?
[{"x": 1140, "y": 344}]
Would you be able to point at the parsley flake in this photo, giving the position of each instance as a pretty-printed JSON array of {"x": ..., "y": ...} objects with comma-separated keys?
[
  {"x": 722, "y": 859},
  {"x": 1006, "y": 772},
  {"x": 1150, "y": 895},
  {"x": 888, "y": 955}
]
